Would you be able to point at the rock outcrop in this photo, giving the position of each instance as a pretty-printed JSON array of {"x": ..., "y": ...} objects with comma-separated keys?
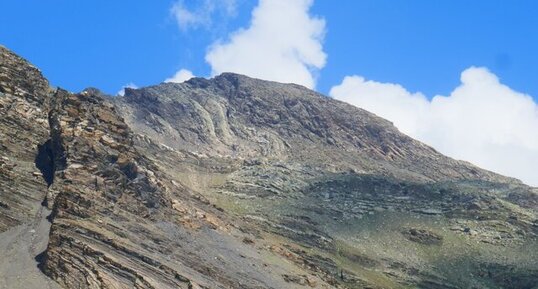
[{"x": 234, "y": 182}]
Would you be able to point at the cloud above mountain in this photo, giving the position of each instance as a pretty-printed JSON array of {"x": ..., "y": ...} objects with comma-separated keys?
[
  {"x": 282, "y": 43},
  {"x": 203, "y": 14},
  {"x": 482, "y": 120},
  {"x": 181, "y": 75}
]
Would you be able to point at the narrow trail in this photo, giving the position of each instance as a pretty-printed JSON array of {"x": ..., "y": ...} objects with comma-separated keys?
[{"x": 19, "y": 247}]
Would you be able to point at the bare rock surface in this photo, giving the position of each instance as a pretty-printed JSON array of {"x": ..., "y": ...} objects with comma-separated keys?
[
  {"x": 23, "y": 129},
  {"x": 340, "y": 188},
  {"x": 234, "y": 182}
]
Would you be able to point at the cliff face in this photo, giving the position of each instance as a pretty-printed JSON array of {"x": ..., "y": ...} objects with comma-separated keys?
[
  {"x": 235, "y": 182},
  {"x": 22, "y": 107},
  {"x": 23, "y": 132}
]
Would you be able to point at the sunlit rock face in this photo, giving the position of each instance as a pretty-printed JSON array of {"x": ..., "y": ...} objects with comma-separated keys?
[{"x": 235, "y": 182}]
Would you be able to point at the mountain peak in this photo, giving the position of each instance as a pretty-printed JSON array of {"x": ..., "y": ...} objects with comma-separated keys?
[
  {"x": 230, "y": 114},
  {"x": 236, "y": 182}
]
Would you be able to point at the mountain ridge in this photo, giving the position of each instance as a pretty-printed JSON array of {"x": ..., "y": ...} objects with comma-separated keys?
[
  {"x": 234, "y": 182},
  {"x": 365, "y": 122}
]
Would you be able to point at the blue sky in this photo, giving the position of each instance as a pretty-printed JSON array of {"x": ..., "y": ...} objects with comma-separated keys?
[
  {"x": 461, "y": 76},
  {"x": 423, "y": 45}
]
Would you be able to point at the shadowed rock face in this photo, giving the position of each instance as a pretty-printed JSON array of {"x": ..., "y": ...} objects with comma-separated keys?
[{"x": 234, "y": 182}]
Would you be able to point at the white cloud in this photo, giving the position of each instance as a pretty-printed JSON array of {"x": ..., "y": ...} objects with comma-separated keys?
[
  {"x": 283, "y": 43},
  {"x": 180, "y": 76},
  {"x": 121, "y": 92},
  {"x": 388, "y": 100},
  {"x": 201, "y": 15},
  {"x": 481, "y": 121}
]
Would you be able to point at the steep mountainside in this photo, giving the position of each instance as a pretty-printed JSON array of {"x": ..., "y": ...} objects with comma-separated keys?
[
  {"x": 234, "y": 182},
  {"x": 23, "y": 132},
  {"x": 336, "y": 185},
  {"x": 236, "y": 116}
]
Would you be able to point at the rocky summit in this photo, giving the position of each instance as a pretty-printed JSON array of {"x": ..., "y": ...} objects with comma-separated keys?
[{"x": 235, "y": 182}]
